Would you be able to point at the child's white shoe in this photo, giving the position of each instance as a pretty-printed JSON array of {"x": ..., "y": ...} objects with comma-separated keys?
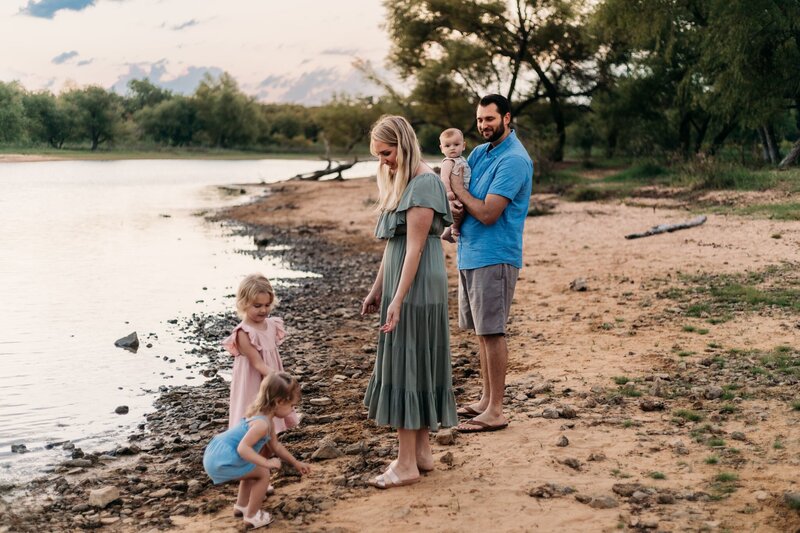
[
  {"x": 260, "y": 519},
  {"x": 241, "y": 510}
]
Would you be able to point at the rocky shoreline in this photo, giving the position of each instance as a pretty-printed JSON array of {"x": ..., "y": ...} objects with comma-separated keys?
[{"x": 159, "y": 475}]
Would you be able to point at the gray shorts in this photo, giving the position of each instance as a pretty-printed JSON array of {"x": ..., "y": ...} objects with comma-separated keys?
[{"x": 484, "y": 298}]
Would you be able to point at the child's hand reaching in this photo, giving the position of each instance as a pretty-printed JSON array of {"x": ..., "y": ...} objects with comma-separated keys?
[{"x": 303, "y": 468}]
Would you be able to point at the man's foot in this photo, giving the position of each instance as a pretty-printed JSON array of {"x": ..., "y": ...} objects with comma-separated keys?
[{"x": 469, "y": 411}]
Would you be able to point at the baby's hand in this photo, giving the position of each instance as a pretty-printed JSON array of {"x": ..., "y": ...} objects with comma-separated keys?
[{"x": 303, "y": 468}]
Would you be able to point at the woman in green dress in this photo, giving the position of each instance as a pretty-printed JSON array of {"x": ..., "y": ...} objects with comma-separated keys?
[{"x": 411, "y": 388}]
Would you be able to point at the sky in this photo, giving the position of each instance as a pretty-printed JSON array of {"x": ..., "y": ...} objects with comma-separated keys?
[{"x": 278, "y": 50}]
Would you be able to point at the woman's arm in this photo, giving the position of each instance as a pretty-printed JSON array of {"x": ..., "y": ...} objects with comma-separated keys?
[
  {"x": 418, "y": 224},
  {"x": 249, "y": 351},
  {"x": 258, "y": 430},
  {"x": 372, "y": 303}
]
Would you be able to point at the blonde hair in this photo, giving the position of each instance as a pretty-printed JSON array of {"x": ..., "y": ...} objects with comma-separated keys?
[
  {"x": 276, "y": 386},
  {"x": 395, "y": 131},
  {"x": 249, "y": 289},
  {"x": 451, "y": 132}
]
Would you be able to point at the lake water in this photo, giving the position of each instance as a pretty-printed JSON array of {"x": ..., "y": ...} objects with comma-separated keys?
[{"x": 92, "y": 251}]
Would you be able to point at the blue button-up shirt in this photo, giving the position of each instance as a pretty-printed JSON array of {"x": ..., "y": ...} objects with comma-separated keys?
[{"x": 505, "y": 170}]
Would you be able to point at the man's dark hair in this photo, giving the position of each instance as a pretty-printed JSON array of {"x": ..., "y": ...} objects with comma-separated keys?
[{"x": 502, "y": 103}]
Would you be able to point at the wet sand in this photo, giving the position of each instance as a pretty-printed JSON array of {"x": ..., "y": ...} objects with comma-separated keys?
[{"x": 632, "y": 457}]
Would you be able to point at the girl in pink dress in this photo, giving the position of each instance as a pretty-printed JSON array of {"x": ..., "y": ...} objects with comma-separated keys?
[{"x": 254, "y": 345}]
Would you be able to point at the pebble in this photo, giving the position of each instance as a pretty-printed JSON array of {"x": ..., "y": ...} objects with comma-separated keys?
[
  {"x": 578, "y": 285},
  {"x": 322, "y": 401},
  {"x": 603, "y": 502},
  {"x": 19, "y": 448},
  {"x": 446, "y": 437},
  {"x": 550, "y": 412},
  {"x": 326, "y": 450},
  {"x": 121, "y": 410},
  {"x": 160, "y": 493},
  {"x": 103, "y": 496},
  {"x": 562, "y": 441},
  {"x": 792, "y": 499},
  {"x": 447, "y": 458},
  {"x": 571, "y": 462},
  {"x": 550, "y": 490}
]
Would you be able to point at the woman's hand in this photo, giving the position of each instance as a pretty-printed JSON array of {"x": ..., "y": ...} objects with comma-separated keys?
[
  {"x": 372, "y": 302},
  {"x": 392, "y": 316}
]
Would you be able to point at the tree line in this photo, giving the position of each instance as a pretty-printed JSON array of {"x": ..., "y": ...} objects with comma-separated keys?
[
  {"x": 217, "y": 115},
  {"x": 667, "y": 78}
]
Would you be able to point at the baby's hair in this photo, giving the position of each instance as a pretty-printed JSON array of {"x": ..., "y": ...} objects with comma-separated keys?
[
  {"x": 451, "y": 132},
  {"x": 275, "y": 387},
  {"x": 249, "y": 289}
]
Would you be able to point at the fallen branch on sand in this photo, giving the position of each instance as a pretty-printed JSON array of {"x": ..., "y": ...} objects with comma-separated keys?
[
  {"x": 317, "y": 174},
  {"x": 668, "y": 228}
]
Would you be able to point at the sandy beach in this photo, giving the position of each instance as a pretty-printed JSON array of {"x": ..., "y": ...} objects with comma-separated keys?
[{"x": 630, "y": 405}]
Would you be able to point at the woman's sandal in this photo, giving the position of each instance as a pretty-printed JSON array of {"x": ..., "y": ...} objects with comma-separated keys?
[
  {"x": 390, "y": 480},
  {"x": 260, "y": 519},
  {"x": 240, "y": 510}
]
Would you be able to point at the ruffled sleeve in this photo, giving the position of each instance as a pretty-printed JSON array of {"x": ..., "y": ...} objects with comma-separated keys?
[
  {"x": 231, "y": 342},
  {"x": 280, "y": 329},
  {"x": 425, "y": 190}
]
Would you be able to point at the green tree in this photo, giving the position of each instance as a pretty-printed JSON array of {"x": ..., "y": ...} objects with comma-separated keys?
[
  {"x": 98, "y": 114},
  {"x": 50, "y": 119},
  {"x": 227, "y": 116},
  {"x": 12, "y": 112},
  {"x": 345, "y": 122},
  {"x": 144, "y": 93},
  {"x": 172, "y": 121},
  {"x": 528, "y": 50}
]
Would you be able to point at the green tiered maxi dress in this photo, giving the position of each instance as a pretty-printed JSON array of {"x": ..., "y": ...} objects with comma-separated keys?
[{"x": 411, "y": 386}]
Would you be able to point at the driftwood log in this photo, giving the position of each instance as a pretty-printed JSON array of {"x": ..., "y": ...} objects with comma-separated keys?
[
  {"x": 317, "y": 174},
  {"x": 669, "y": 228}
]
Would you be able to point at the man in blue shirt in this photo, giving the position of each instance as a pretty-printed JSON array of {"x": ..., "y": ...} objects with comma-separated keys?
[{"x": 490, "y": 251}]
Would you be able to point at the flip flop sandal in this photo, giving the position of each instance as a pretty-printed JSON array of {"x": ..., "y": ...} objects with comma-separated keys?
[
  {"x": 390, "y": 480},
  {"x": 260, "y": 519},
  {"x": 479, "y": 427},
  {"x": 468, "y": 411}
]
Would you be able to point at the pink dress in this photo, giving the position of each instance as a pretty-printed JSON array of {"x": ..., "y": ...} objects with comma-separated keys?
[{"x": 246, "y": 379}]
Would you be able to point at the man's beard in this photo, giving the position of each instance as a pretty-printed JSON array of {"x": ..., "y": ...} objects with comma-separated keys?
[{"x": 501, "y": 129}]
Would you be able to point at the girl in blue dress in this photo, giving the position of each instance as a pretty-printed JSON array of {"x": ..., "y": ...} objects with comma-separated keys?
[{"x": 234, "y": 454}]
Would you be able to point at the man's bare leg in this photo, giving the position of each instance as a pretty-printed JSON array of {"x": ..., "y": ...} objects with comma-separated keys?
[
  {"x": 494, "y": 363},
  {"x": 480, "y": 405}
]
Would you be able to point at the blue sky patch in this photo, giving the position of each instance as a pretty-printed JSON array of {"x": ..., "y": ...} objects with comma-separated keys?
[{"x": 48, "y": 8}]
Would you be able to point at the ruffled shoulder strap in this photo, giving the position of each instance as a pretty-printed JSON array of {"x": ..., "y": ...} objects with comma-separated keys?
[
  {"x": 425, "y": 190},
  {"x": 231, "y": 343},
  {"x": 280, "y": 329}
]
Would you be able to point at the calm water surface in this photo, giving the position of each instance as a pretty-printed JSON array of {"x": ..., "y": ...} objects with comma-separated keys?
[{"x": 90, "y": 252}]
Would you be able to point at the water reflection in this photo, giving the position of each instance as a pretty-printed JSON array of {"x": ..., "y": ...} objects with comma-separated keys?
[{"x": 91, "y": 251}]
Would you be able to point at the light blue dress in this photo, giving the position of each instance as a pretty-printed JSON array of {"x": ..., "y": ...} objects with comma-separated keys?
[{"x": 221, "y": 460}]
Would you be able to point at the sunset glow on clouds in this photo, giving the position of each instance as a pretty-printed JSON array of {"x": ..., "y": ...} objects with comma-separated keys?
[{"x": 299, "y": 51}]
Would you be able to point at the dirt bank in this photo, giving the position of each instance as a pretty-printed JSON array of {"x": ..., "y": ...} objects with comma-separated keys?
[{"x": 677, "y": 401}]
